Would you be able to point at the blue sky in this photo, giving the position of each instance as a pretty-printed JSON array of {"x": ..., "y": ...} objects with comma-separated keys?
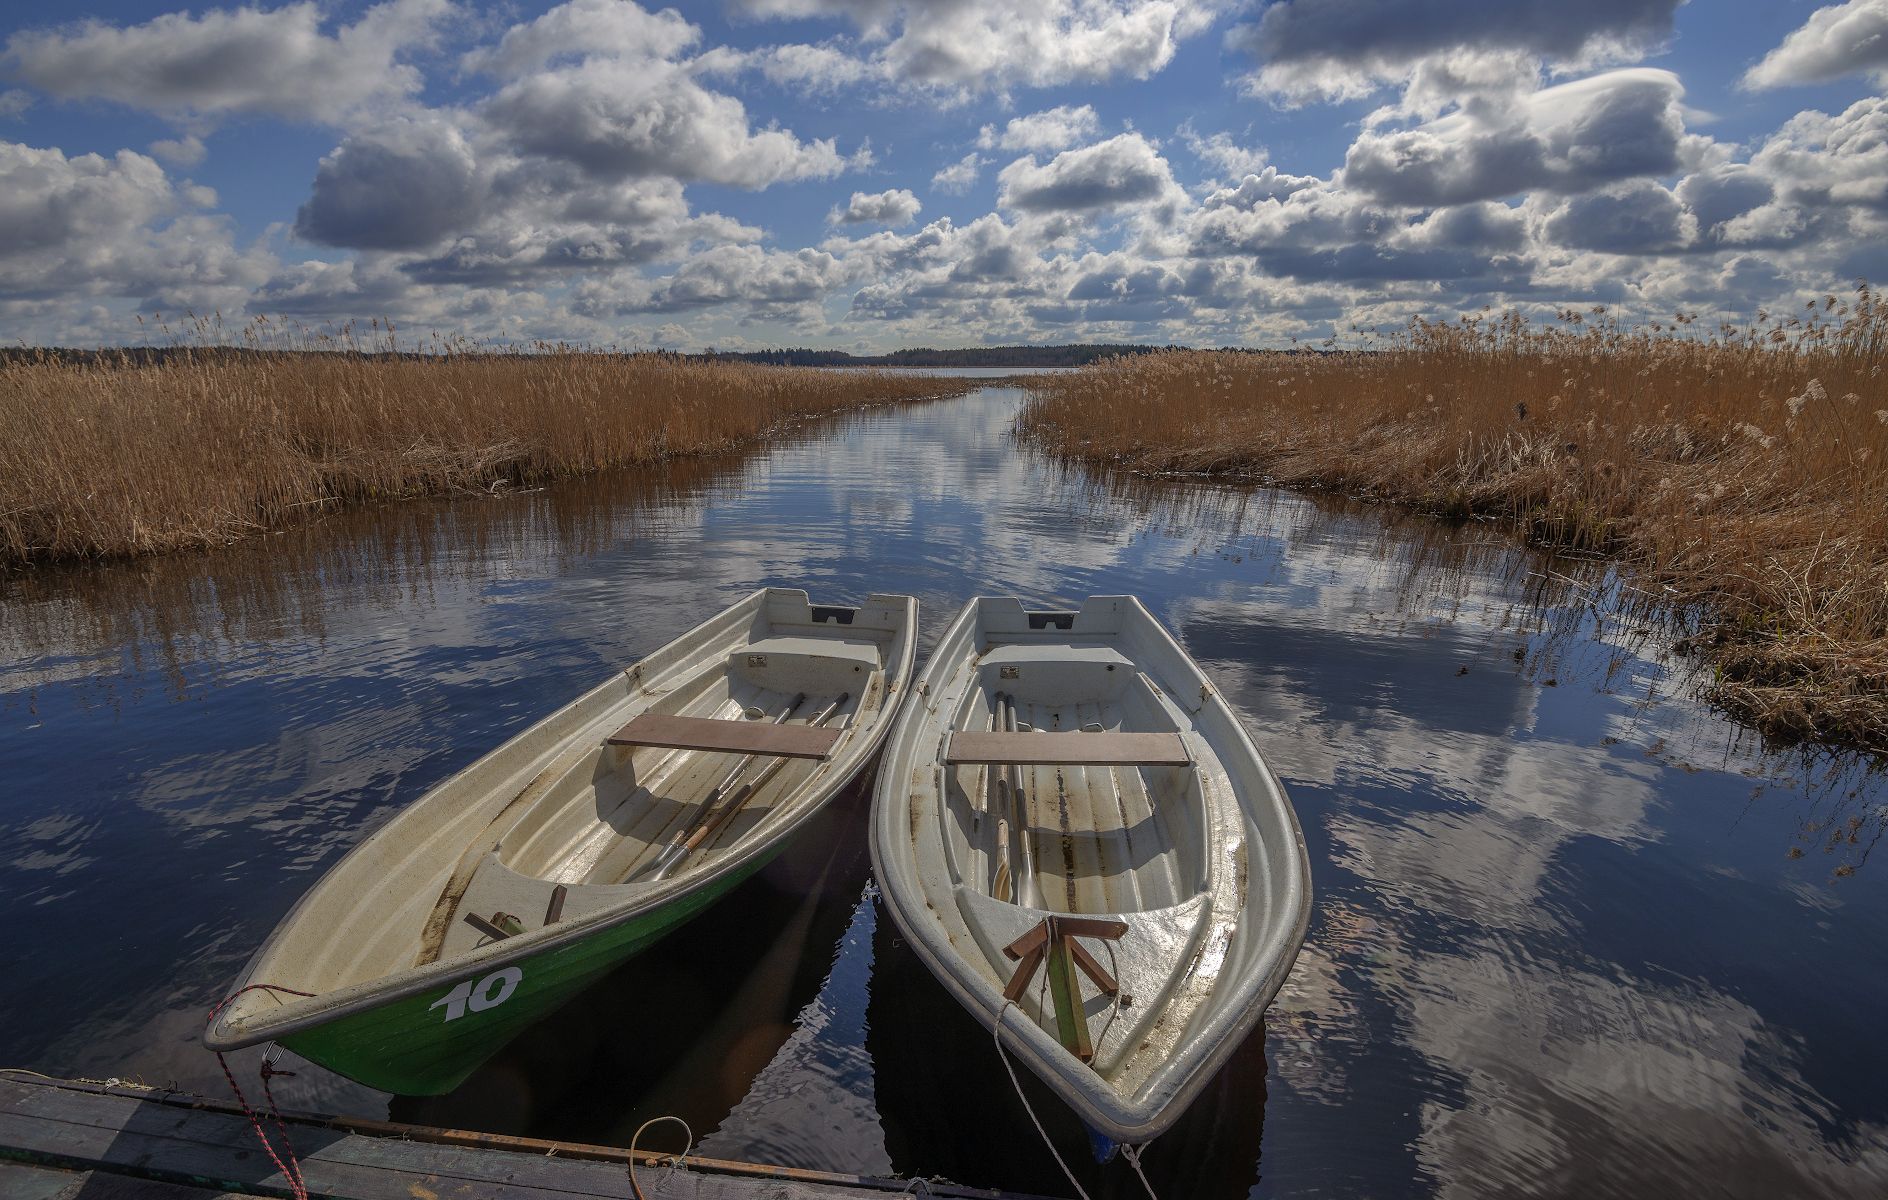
[{"x": 866, "y": 174}]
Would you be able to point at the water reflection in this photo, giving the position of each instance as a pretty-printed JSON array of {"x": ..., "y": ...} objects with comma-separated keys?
[
  {"x": 1561, "y": 941},
  {"x": 157, "y": 617}
]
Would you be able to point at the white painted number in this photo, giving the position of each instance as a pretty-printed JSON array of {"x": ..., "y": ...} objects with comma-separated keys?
[
  {"x": 489, "y": 992},
  {"x": 496, "y": 988}
]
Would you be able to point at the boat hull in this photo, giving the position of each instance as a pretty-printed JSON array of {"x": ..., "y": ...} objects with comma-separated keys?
[
  {"x": 1066, "y": 776},
  {"x": 430, "y": 1043},
  {"x": 422, "y": 952}
]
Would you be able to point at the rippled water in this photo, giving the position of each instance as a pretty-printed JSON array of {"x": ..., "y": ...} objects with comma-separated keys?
[{"x": 1573, "y": 934}]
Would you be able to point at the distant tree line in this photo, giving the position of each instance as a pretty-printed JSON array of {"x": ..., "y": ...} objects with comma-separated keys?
[
  {"x": 974, "y": 356},
  {"x": 977, "y": 356}
]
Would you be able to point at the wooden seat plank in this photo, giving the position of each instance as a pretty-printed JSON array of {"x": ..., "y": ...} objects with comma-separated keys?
[
  {"x": 731, "y": 737},
  {"x": 1040, "y": 749}
]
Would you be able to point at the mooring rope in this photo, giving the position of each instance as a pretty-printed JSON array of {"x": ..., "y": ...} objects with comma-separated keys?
[
  {"x": 997, "y": 1033},
  {"x": 677, "y": 1163},
  {"x": 291, "y": 1169},
  {"x": 1133, "y": 1155}
]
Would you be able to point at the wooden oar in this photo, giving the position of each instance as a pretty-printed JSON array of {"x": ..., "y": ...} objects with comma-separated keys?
[
  {"x": 674, "y": 851},
  {"x": 1001, "y": 806},
  {"x": 710, "y": 824},
  {"x": 1028, "y": 893},
  {"x": 1015, "y": 816}
]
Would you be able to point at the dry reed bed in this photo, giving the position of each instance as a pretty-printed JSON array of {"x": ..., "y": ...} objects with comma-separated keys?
[
  {"x": 1741, "y": 473},
  {"x": 118, "y": 459}
]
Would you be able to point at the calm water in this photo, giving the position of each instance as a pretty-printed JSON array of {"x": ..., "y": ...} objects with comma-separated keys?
[{"x": 1573, "y": 935}]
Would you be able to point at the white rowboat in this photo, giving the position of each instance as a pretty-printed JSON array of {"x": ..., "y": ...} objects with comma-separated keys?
[
  {"x": 500, "y": 894},
  {"x": 1080, "y": 840}
]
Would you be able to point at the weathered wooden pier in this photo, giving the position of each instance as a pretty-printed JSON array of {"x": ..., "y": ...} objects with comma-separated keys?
[{"x": 82, "y": 1140}]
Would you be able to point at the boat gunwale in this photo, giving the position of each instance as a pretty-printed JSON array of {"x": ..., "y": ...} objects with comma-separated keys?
[
  {"x": 1172, "y": 1086},
  {"x": 229, "y": 1032}
]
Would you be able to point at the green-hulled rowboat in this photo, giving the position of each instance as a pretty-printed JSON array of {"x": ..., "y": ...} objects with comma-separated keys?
[{"x": 502, "y": 893}]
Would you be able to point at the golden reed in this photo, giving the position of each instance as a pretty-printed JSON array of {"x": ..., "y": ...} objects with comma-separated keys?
[
  {"x": 110, "y": 457},
  {"x": 1742, "y": 470}
]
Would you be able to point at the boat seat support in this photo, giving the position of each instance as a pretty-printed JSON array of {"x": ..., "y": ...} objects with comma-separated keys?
[
  {"x": 501, "y": 925},
  {"x": 1052, "y": 941},
  {"x": 730, "y": 737},
  {"x": 1041, "y": 749}
]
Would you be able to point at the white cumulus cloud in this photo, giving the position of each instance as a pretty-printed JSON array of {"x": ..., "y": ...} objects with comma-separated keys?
[
  {"x": 958, "y": 177},
  {"x": 1344, "y": 49},
  {"x": 96, "y": 226},
  {"x": 1567, "y": 138},
  {"x": 1843, "y": 39},
  {"x": 895, "y": 207},
  {"x": 1053, "y": 129},
  {"x": 277, "y": 62},
  {"x": 401, "y": 186},
  {"x": 1123, "y": 171},
  {"x": 612, "y": 28},
  {"x": 597, "y": 84},
  {"x": 974, "y": 45}
]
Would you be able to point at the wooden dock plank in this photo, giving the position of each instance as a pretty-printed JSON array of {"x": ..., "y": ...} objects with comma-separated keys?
[
  {"x": 27, "y": 1181},
  {"x": 200, "y": 1148},
  {"x": 199, "y": 1145}
]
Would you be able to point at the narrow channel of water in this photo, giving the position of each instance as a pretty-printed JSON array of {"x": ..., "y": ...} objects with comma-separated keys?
[{"x": 1573, "y": 934}]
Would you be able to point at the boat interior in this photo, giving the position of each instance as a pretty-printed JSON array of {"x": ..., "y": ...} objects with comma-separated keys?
[
  {"x": 705, "y": 750},
  {"x": 1082, "y": 861},
  {"x": 625, "y": 815},
  {"x": 1085, "y": 838},
  {"x": 1086, "y": 848}
]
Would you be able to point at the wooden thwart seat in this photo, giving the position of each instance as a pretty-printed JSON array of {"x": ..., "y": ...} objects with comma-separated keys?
[
  {"x": 1041, "y": 749},
  {"x": 733, "y": 737}
]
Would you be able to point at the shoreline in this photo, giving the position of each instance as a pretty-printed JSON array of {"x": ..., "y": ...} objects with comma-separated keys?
[
  {"x": 1757, "y": 502},
  {"x": 200, "y": 452},
  {"x": 1785, "y": 714}
]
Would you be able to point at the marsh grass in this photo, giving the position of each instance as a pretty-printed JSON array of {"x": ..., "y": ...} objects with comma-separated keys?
[
  {"x": 104, "y": 457},
  {"x": 1740, "y": 473}
]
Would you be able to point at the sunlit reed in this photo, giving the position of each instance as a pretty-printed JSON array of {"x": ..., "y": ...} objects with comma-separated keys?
[
  {"x": 112, "y": 457},
  {"x": 1738, "y": 470}
]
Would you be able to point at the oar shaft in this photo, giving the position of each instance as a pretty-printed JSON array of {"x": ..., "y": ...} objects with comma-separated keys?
[
  {"x": 734, "y": 773},
  {"x": 1003, "y": 874},
  {"x": 674, "y": 849},
  {"x": 710, "y": 823},
  {"x": 1026, "y": 890}
]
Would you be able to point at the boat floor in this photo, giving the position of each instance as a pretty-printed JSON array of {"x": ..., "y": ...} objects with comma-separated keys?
[{"x": 1104, "y": 839}]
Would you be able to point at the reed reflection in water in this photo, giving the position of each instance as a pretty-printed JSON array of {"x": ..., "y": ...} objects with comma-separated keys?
[{"x": 1560, "y": 945}]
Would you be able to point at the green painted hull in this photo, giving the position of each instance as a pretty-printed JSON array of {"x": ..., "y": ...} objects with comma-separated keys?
[{"x": 428, "y": 1044}]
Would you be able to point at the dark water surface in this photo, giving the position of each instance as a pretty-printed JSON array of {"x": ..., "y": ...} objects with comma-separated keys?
[{"x": 1573, "y": 935}]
